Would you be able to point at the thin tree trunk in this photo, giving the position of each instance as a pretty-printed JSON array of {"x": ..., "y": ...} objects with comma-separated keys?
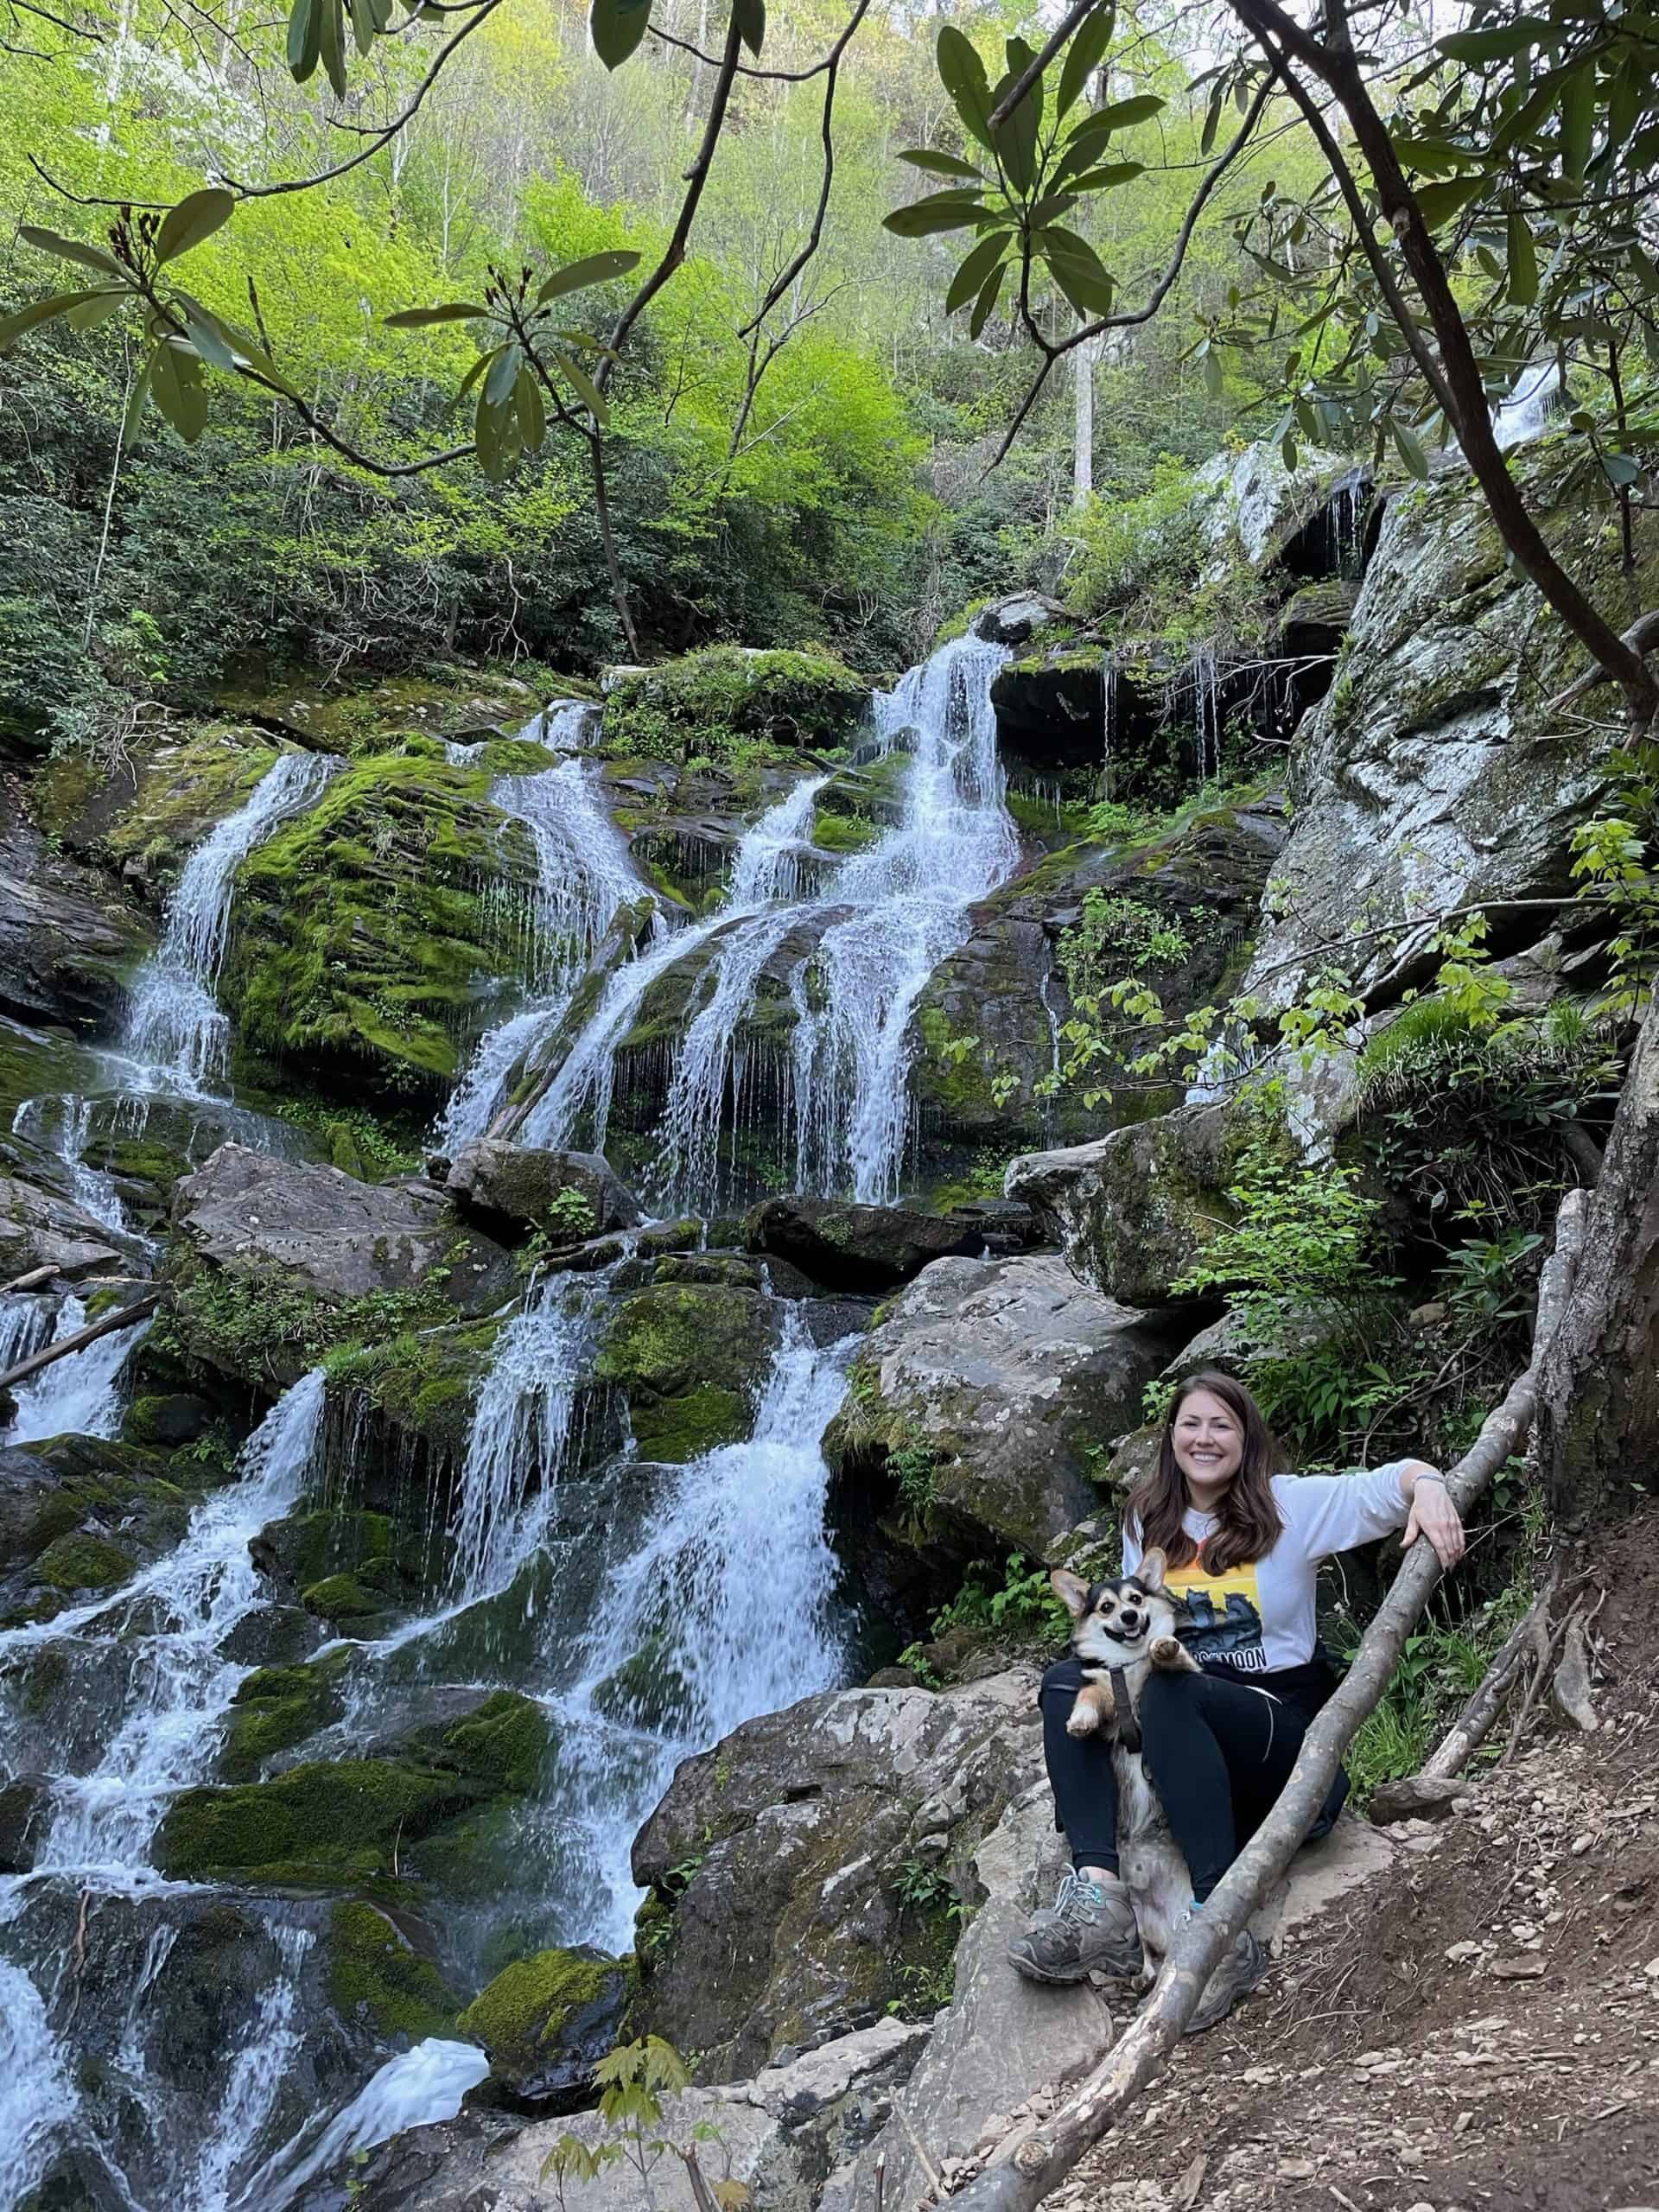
[
  {"x": 106, "y": 1324},
  {"x": 1043, "y": 2159},
  {"x": 1082, "y": 437},
  {"x": 1473, "y": 1724},
  {"x": 1599, "y": 1396},
  {"x": 608, "y": 539}
]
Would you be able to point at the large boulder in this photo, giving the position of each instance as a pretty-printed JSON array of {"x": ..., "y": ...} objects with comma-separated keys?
[
  {"x": 1134, "y": 1209},
  {"x": 805, "y": 1873},
  {"x": 39, "y": 1230},
  {"x": 984, "y": 1400},
  {"x": 1436, "y": 773},
  {"x": 511, "y": 1189},
  {"x": 710, "y": 702},
  {"x": 546, "y": 2022},
  {"x": 857, "y": 1247},
  {"x": 690, "y": 1359},
  {"x": 276, "y": 1259},
  {"x": 775, "y": 2135},
  {"x": 1251, "y": 505},
  {"x": 65, "y": 946},
  {"x": 1012, "y": 621}
]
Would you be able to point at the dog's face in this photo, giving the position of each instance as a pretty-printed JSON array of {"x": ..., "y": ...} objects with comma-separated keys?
[{"x": 1114, "y": 1621}]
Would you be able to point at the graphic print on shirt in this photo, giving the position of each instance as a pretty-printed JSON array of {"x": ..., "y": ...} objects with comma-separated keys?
[{"x": 1225, "y": 1613}]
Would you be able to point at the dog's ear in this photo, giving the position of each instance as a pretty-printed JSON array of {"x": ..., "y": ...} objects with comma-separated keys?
[
  {"x": 1071, "y": 1591},
  {"x": 1150, "y": 1573}
]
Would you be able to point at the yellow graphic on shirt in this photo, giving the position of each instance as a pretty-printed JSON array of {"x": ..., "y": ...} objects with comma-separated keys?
[{"x": 1224, "y": 1614}]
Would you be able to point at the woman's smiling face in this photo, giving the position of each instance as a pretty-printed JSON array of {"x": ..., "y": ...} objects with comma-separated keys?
[{"x": 1208, "y": 1440}]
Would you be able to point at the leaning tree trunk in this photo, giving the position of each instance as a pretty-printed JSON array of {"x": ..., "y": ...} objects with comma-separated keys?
[{"x": 1598, "y": 1392}]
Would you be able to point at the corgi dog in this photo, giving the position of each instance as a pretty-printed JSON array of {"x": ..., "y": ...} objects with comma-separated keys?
[{"x": 1120, "y": 1631}]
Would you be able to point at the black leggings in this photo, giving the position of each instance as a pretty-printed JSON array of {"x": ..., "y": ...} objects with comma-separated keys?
[{"x": 1218, "y": 1752}]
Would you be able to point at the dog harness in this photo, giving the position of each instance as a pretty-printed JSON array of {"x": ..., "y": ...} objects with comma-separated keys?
[{"x": 1129, "y": 1732}]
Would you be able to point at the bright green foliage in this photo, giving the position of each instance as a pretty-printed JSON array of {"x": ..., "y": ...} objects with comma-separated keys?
[
  {"x": 710, "y": 703},
  {"x": 1118, "y": 934},
  {"x": 634, "y": 2079},
  {"x": 1023, "y": 1606},
  {"x": 1301, "y": 1238}
]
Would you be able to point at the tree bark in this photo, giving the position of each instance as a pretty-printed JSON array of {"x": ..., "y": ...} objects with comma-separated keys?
[
  {"x": 1082, "y": 441},
  {"x": 1041, "y": 2161},
  {"x": 1599, "y": 1395}
]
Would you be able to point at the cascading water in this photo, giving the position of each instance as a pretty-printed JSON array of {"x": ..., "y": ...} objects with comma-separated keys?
[
  {"x": 881, "y": 922},
  {"x": 155, "y": 1730},
  {"x": 61, "y": 1121},
  {"x": 175, "y": 1029},
  {"x": 79, "y": 1394},
  {"x": 583, "y": 874},
  {"x": 416, "y": 2090}
]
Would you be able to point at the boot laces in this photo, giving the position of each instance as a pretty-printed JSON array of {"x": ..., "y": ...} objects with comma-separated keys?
[{"x": 1078, "y": 1899}]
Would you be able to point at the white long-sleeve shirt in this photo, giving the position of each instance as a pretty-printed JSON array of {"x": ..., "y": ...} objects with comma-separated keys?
[{"x": 1259, "y": 1618}]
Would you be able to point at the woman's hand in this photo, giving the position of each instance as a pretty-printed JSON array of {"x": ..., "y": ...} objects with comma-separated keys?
[{"x": 1434, "y": 1516}]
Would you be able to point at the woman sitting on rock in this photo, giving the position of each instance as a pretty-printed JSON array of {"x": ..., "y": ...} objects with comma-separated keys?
[{"x": 1243, "y": 1543}]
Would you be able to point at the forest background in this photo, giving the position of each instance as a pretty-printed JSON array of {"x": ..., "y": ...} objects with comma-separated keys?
[{"x": 841, "y": 497}]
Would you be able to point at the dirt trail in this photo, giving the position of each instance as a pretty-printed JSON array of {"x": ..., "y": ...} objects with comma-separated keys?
[{"x": 1480, "y": 2027}]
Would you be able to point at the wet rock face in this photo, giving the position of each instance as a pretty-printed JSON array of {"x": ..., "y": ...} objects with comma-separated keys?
[
  {"x": 857, "y": 1247},
  {"x": 39, "y": 1229},
  {"x": 1133, "y": 1210},
  {"x": 546, "y": 2022},
  {"x": 513, "y": 1189},
  {"x": 1434, "y": 773},
  {"x": 65, "y": 945},
  {"x": 79, "y": 1516},
  {"x": 788, "y": 1928},
  {"x": 987, "y": 1395},
  {"x": 690, "y": 1359}
]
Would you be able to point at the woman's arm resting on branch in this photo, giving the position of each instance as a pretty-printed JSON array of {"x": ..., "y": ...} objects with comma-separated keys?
[{"x": 1433, "y": 1514}]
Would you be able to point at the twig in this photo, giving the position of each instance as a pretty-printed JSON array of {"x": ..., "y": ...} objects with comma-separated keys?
[
  {"x": 1016, "y": 93},
  {"x": 1471, "y": 1728}
]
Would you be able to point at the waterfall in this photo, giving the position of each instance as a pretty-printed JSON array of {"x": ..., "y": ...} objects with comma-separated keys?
[
  {"x": 257, "y": 2076},
  {"x": 79, "y": 1394},
  {"x": 25, "y": 1327},
  {"x": 416, "y": 2090},
  {"x": 175, "y": 1029},
  {"x": 882, "y": 921},
  {"x": 728, "y": 1594},
  {"x": 583, "y": 874},
  {"x": 1538, "y": 395},
  {"x": 1109, "y": 682},
  {"x": 1204, "y": 683},
  {"x": 61, "y": 1121},
  {"x": 37, "y": 2098},
  {"x": 171, "y": 1623}
]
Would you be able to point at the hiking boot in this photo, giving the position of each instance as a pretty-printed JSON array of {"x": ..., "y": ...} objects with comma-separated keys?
[
  {"x": 1234, "y": 1978},
  {"x": 1088, "y": 1928}
]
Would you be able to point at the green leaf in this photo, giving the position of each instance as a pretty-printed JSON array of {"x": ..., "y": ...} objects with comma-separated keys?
[
  {"x": 1108, "y": 174},
  {"x": 1440, "y": 202},
  {"x": 330, "y": 22},
  {"x": 503, "y": 372},
  {"x": 1077, "y": 269},
  {"x": 940, "y": 211},
  {"x": 1212, "y": 116},
  {"x": 1523, "y": 261},
  {"x": 987, "y": 301},
  {"x": 12, "y": 327},
  {"x": 616, "y": 28},
  {"x": 206, "y": 335},
  {"x": 589, "y": 393},
  {"x": 175, "y": 378},
  {"x": 1214, "y": 375},
  {"x": 1621, "y": 468},
  {"x": 363, "y": 25},
  {"x": 192, "y": 220},
  {"x": 1410, "y": 451},
  {"x": 593, "y": 269},
  {"x": 1578, "y": 120},
  {"x": 1016, "y": 139},
  {"x": 1051, "y": 207},
  {"x": 472, "y": 378},
  {"x": 923, "y": 157},
  {"x": 486, "y": 436},
  {"x": 1123, "y": 115},
  {"x": 963, "y": 74},
  {"x": 750, "y": 16},
  {"x": 1500, "y": 43},
  {"x": 1084, "y": 55},
  {"x": 88, "y": 257},
  {"x": 304, "y": 38},
  {"x": 532, "y": 416},
  {"x": 96, "y": 307},
  {"x": 420, "y": 318},
  {"x": 975, "y": 272},
  {"x": 133, "y": 412}
]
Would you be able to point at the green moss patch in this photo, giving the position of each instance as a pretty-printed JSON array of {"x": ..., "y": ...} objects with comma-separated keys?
[
  {"x": 82, "y": 1562},
  {"x": 277, "y": 1707},
  {"x": 519, "y": 2015},
  {"x": 322, "y": 1824},
  {"x": 707, "y": 704},
  {"x": 376, "y": 1975},
  {"x": 688, "y": 1358}
]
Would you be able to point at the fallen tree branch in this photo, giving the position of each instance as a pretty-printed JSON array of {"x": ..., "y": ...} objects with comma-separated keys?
[
  {"x": 1642, "y": 637},
  {"x": 1473, "y": 1724},
  {"x": 1042, "y": 2162},
  {"x": 121, "y": 1317},
  {"x": 35, "y": 1279}
]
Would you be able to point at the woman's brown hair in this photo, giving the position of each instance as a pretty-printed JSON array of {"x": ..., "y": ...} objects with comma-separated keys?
[{"x": 1248, "y": 1519}]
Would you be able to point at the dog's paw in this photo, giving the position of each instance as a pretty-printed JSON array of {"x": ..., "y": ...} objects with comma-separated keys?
[
  {"x": 1082, "y": 1721},
  {"x": 1166, "y": 1651}
]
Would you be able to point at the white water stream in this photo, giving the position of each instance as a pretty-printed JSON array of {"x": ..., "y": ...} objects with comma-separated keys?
[{"x": 79, "y": 1394}]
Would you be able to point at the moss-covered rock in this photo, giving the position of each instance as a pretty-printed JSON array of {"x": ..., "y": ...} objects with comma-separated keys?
[
  {"x": 688, "y": 1359},
  {"x": 79, "y": 1516},
  {"x": 277, "y": 1708},
  {"x": 546, "y": 2021},
  {"x": 68, "y": 941},
  {"x": 709, "y": 702},
  {"x": 345, "y": 1564},
  {"x": 378, "y": 1979},
  {"x": 346, "y": 1821},
  {"x": 371, "y": 936},
  {"x": 185, "y": 787}
]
